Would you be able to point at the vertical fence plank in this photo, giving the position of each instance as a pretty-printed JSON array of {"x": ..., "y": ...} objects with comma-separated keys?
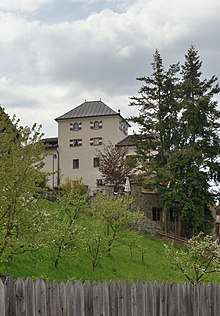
[
  {"x": 180, "y": 300},
  {"x": 105, "y": 295},
  {"x": 124, "y": 299},
  {"x": 79, "y": 298},
  {"x": 188, "y": 294},
  {"x": 30, "y": 297},
  {"x": 10, "y": 305},
  {"x": 163, "y": 299},
  {"x": 173, "y": 300},
  {"x": 217, "y": 298},
  {"x": 133, "y": 299},
  {"x": 184, "y": 299},
  {"x": 97, "y": 299},
  {"x": 149, "y": 299},
  {"x": 70, "y": 298},
  {"x": 88, "y": 298},
  {"x": 113, "y": 297},
  {"x": 40, "y": 292},
  {"x": 62, "y": 298},
  {"x": 49, "y": 298},
  {"x": 156, "y": 299},
  {"x": 196, "y": 300},
  {"x": 127, "y": 290},
  {"x": 20, "y": 297},
  {"x": 55, "y": 297},
  {"x": 2, "y": 298},
  {"x": 211, "y": 299},
  {"x": 120, "y": 291},
  {"x": 203, "y": 300},
  {"x": 140, "y": 298}
]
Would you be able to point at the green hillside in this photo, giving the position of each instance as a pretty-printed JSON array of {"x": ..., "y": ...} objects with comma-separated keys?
[{"x": 120, "y": 266}]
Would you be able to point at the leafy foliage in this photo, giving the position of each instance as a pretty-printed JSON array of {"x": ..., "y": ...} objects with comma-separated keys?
[
  {"x": 178, "y": 145},
  {"x": 200, "y": 259},
  {"x": 64, "y": 230},
  {"x": 115, "y": 215},
  {"x": 73, "y": 187},
  {"x": 21, "y": 162},
  {"x": 113, "y": 166}
]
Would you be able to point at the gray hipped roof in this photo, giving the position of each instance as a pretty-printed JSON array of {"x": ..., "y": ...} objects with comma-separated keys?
[{"x": 88, "y": 109}]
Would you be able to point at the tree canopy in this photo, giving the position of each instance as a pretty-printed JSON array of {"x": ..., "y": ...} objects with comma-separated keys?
[
  {"x": 21, "y": 162},
  {"x": 178, "y": 144},
  {"x": 113, "y": 166}
]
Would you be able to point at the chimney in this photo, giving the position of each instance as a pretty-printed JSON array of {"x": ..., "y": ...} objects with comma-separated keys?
[{"x": 119, "y": 112}]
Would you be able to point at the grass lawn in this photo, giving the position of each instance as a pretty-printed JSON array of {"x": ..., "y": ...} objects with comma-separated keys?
[{"x": 120, "y": 266}]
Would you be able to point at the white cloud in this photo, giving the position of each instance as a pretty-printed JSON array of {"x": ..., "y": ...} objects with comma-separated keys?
[
  {"x": 22, "y": 5},
  {"x": 49, "y": 68}
]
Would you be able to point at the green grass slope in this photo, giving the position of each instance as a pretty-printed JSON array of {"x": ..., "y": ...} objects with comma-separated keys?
[{"x": 119, "y": 266}]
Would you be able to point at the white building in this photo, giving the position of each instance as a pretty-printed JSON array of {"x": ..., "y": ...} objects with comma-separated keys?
[{"x": 81, "y": 132}]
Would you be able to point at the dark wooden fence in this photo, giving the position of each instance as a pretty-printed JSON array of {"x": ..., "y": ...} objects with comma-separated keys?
[
  {"x": 172, "y": 238},
  {"x": 28, "y": 298}
]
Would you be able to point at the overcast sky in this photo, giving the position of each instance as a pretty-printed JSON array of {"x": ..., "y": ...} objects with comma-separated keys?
[{"x": 57, "y": 53}]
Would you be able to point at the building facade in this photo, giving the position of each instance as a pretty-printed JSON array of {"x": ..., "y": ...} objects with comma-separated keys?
[{"x": 81, "y": 132}]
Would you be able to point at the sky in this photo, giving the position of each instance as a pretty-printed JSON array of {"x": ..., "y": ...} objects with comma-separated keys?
[{"x": 55, "y": 54}]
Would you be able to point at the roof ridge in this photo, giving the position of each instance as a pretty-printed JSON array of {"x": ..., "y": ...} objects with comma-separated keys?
[{"x": 88, "y": 109}]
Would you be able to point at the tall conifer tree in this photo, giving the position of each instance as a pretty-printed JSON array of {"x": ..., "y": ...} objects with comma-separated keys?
[
  {"x": 194, "y": 163},
  {"x": 178, "y": 143},
  {"x": 157, "y": 119}
]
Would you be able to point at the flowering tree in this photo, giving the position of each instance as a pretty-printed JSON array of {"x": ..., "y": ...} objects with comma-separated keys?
[
  {"x": 199, "y": 260},
  {"x": 113, "y": 165}
]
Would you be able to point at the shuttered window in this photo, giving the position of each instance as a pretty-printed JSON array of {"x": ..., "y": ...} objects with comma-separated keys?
[
  {"x": 95, "y": 141},
  {"x": 75, "y": 142},
  {"x": 75, "y": 126},
  {"x": 95, "y": 124}
]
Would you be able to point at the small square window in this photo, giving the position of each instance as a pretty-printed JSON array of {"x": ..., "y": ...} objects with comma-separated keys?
[
  {"x": 96, "y": 162},
  {"x": 75, "y": 163},
  {"x": 95, "y": 141}
]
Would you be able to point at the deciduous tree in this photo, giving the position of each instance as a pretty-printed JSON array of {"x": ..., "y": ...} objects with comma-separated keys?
[
  {"x": 198, "y": 260},
  {"x": 112, "y": 165},
  {"x": 21, "y": 162}
]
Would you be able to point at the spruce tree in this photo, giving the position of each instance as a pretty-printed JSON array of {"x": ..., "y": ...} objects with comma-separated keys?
[
  {"x": 178, "y": 145},
  {"x": 194, "y": 163},
  {"x": 157, "y": 120}
]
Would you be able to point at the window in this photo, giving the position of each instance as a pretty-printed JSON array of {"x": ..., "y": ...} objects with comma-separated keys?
[
  {"x": 75, "y": 142},
  {"x": 96, "y": 124},
  {"x": 99, "y": 182},
  {"x": 96, "y": 162},
  {"x": 123, "y": 128},
  {"x": 96, "y": 141},
  {"x": 157, "y": 213},
  {"x": 75, "y": 163},
  {"x": 76, "y": 126}
]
